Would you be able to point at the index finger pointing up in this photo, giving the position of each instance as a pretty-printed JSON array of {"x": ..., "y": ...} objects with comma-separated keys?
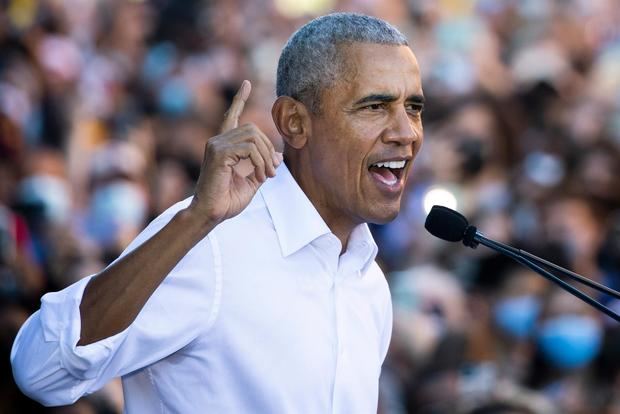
[{"x": 231, "y": 117}]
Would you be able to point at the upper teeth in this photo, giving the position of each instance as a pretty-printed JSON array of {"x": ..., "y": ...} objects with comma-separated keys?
[{"x": 390, "y": 164}]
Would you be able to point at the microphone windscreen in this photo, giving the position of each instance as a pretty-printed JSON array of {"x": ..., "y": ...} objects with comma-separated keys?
[{"x": 446, "y": 224}]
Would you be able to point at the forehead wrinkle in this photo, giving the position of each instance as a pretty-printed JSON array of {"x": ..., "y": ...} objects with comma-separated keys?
[
  {"x": 356, "y": 72},
  {"x": 387, "y": 84}
]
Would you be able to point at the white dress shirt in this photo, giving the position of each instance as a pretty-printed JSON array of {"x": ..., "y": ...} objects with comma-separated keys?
[{"x": 262, "y": 316}]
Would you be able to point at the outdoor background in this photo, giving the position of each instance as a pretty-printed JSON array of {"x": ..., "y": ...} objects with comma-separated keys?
[{"x": 105, "y": 107}]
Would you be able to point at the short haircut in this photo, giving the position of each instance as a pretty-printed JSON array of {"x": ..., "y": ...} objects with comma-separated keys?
[{"x": 310, "y": 60}]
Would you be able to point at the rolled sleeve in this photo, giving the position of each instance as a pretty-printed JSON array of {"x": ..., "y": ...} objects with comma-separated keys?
[
  {"x": 47, "y": 363},
  {"x": 61, "y": 322},
  {"x": 50, "y": 367}
]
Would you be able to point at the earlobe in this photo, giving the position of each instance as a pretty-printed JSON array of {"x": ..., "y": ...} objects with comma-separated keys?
[{"x": 292, "y": 119}]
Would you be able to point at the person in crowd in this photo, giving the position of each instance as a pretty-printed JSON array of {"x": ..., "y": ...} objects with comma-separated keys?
[{"x": 104, "y": 110}]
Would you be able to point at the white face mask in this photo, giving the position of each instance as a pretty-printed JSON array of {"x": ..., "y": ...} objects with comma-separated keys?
[{"x": 51, "y": 193}]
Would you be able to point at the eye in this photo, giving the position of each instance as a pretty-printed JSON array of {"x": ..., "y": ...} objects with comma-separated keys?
[
  {"x": 414, "y": 108},
  {"x": 374, "y": 106}
]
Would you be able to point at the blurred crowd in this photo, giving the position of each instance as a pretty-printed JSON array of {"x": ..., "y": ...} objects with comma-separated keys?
[{"x": 105, "y": 106}]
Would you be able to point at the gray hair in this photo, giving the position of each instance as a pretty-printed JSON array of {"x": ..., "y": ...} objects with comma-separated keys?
[{"x": 310, "y": 60}]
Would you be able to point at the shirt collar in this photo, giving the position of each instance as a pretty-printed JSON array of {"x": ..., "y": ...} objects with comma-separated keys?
[
  {"x": 295, "y": 219},
  {"x": 362, "y": 244},
  {"x": 298, "y": 223}
]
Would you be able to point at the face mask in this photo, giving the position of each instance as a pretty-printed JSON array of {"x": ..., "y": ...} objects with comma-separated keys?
[
  {"x": 517, "y": 316},
  {"x": 175, "y": 97},
  {"x": 116, "y": 206},
  {"x": 50, "y": 194},
  {"x": 570, "y": 341}
]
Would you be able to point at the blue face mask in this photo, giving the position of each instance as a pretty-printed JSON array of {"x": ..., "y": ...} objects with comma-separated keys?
[
  {"x": 570, "y": 341},
  {"x": 115, "y": 207},
  {"x": 175, "y": 97},
  {"x": 517, "y": 316}
]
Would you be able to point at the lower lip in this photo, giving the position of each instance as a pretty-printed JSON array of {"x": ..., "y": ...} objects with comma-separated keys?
[{"x": 387, "y": 187}]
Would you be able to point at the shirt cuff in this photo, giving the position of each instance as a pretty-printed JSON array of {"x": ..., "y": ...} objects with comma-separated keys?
[{"x": 60, "y": 317}]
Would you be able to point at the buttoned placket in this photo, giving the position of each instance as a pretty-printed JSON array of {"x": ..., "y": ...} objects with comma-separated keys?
[
  {"x": 327, "y": 249},
  {"x": 340, "y": 268},
  {"x": 349, "y": 265}
]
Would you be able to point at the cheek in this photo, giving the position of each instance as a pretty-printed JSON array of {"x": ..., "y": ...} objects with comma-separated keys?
[
  {"x": 343, "y": 152},
  {"x": 419, "y": 132},
  {"x": 417, "y": 146},
  {"x": 357, "y": 155}
]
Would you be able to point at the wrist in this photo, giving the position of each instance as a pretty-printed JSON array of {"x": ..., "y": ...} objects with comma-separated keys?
[{"x": 196, "y": 221}]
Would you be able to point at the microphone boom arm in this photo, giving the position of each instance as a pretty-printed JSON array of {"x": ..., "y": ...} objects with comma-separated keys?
[
  {"x": 450, "y": 225},
  {"x": 533, "y": 262}
]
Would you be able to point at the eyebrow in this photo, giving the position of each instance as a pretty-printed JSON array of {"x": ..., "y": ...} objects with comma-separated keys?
[{"x": 387, "y": 98}]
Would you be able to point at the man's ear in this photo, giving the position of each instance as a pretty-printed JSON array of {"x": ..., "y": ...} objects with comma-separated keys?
[{"x": 292, "y": 119}]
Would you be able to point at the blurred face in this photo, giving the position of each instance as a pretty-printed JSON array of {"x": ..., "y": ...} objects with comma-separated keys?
[{"x": 363, "y": 141}]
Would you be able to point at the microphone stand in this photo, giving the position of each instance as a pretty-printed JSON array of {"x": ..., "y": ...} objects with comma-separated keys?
[{"x": 473, "y": 237}]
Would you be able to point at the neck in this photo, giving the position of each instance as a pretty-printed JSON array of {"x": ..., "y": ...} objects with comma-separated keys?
[
  {"x": 339, "y": 224},
  {"x": 342, "y": 232}
]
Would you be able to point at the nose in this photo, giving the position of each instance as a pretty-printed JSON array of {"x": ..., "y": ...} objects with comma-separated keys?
[{"x": 403, "y": 129}]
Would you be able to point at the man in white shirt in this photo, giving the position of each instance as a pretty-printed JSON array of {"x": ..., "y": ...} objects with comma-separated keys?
[{"x": 260, "y": 293}]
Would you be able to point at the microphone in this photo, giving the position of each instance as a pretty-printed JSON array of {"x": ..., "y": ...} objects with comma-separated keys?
[{"x": 452, "y": 226}]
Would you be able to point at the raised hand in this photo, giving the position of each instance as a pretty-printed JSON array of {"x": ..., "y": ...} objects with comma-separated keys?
[{"x": 236, "y": 162}]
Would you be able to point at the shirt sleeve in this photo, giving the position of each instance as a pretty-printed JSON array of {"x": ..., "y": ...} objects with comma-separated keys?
[
  {"x": 386, "y": 336},
  {"x": 388, "y": 317},
  {"x": 48, "y": 365}
]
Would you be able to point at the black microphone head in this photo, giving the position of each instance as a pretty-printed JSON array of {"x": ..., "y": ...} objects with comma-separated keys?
[{"x": 446, "y": 224}]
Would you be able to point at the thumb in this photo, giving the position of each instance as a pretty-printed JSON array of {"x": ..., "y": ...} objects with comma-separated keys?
[{"x": 231, "y": 117}]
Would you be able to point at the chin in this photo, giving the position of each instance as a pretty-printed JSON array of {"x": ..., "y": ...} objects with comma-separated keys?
[{"x": 383, "y": 216}]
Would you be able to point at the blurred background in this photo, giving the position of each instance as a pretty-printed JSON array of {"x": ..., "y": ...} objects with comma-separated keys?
[{"x": 105, "y": 107}]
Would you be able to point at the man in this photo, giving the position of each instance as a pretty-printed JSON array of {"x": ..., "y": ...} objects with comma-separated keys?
[{"x": 260, "y": 294}]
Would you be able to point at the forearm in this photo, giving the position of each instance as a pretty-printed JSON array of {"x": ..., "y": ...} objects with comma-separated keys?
[{"x": 113, "y": 298}]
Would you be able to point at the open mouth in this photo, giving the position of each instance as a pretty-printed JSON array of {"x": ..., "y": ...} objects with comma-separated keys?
[{"x": 388, "y": 172}]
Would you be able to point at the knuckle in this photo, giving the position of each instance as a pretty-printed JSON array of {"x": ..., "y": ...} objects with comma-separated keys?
[
  {"x": 250, "y": 126},
  {"x": 211, "y": 147},
  {"x": 259, "y": 160},
  {"x": 251, "y": 138}
]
